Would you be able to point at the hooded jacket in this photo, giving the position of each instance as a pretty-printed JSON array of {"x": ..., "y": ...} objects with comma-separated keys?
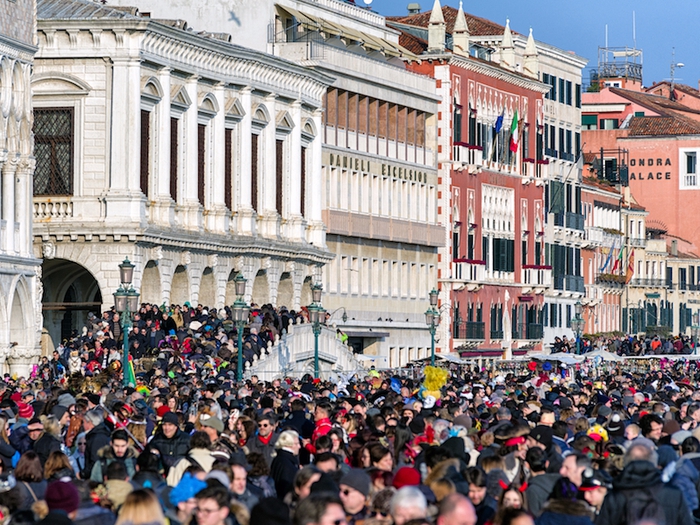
[
  {"x": 538, "y": 490},
  {"x": 105, "y": 456},
  {"x": 640, "y": 490},
  {"x": 97, "y": 438}
]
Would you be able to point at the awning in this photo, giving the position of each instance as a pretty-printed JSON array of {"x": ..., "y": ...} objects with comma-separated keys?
[
  {"x": 301, "y": 17},
  {"x": 365, "y": 333}
]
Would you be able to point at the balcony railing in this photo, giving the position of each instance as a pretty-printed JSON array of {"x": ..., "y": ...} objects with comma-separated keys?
[
  {"x": 575, "y": 221},
  {"x": 537, "y": 275},
  {"x": 566, "y": 156},
  {"x": 558, "y": 282},
  {"x": 468, "y": 270},
  {"x": 639, "y": 243},
  {"x": 648, "y": 283},
  {"x": 550, "y": 152},
  {"x": 48, "y": 208},
  {"x": 595, "y": 234},
  {"x": 559, "y": 219},
  {"x": 496, "y": 334},
  {"x": 468, "y": 154},
  {"x": 574, "y": 283},
  {"x": 529, "y": 331},
  {"x": 470, "y": 330}
]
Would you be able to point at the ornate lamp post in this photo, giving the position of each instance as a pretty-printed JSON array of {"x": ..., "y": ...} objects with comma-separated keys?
[
  {"x": 317, "y": 316},
  {"x": 126, "y": 302},
  {"x": 577, "y": 324},
  {"x": 432, "y": 319},
  {"x": 695, "y": 331},
  {"x": 240, "y": 311}
]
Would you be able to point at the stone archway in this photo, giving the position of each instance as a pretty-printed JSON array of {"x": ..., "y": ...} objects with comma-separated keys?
[
  {"x": 207, "y": 288},
  {"x": 19, "y": 330},
  {"x": 261, "y": 289},
  {"x": 231, "y": 287},
  {"x": 180, "y": 286},
  {"x": 306, "y": 297},
  {"x": 285, "y": 291},
  {"x": 71, "y": 292},
  {"x": 151, "y": 291}
]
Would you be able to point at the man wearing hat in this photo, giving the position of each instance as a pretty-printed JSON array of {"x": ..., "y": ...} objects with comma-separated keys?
[
  {"x": 170, "y": 442},
  {"x": 594, "y": 487},
  {"x": 354, "y": 491},
  {"x": 63, "y": 500}
]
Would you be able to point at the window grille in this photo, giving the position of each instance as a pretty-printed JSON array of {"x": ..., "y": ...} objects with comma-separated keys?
[{"x": 53, "y": 149}]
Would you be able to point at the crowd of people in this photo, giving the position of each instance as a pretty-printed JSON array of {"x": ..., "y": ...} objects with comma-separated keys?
[
  {"x": 629, "y": 345},
  {"x": 188, "y": 444}
]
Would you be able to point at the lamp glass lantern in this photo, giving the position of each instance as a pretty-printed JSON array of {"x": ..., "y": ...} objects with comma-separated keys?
[
  {"x": 120, "y": 299},
  {"x": 239, "y": 283},
  {"x": 316, "y": 292},
  {"x": 433, "y": 297},
  {"x": 578, "y": 308},
  {"x": 126, "y": 272},
  {"x": 240, "y": 312},
  {"x": 132, "y": 298}
]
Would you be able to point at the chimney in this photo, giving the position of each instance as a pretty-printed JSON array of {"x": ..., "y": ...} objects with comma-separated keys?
[
  {"x": 674, "y": 247},
  {"x": 460, "y": 34},
  {"x": 531, "y": 63},
  {"x": 436, "y": 30},
  {"x": 413, "y": 8},
  {"x": 507, "y": 49}
]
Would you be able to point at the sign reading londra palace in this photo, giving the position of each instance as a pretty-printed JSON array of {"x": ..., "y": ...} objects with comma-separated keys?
[
  {"x": 377, "y": 168},
  {"x": 650, "y": 163}
]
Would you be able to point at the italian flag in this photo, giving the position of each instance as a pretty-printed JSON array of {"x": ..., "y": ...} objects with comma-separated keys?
[{"x": 514, "y": 133}]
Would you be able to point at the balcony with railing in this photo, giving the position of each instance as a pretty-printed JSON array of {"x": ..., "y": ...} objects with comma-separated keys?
[
  {"x": 646, "y": 282},
  {"x": 468, "y": 270},
  {"x": 53, "y": 208},
  {"x": 537, "y": 276},
  {"x": 528, "y": 331},
  {"x": 595, "y": 235},
  {"x": 637, "y": 242},
  {"x": 574, "y": 283},
  {"x": 467, "y": 154},
  {"x": 551, "y": 152},
  {"x": 496, "y": 335},
  {"x": 575, "y": 221},
  {"x": 563, "y": 155},
  {"x": 469, "y": 330}
]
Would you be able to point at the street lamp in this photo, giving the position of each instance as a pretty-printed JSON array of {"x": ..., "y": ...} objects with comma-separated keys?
[
  {"x": 240, "y": 311},
  {"x": 432, "y": 319},
  {"x": 577, "y": 324},
  {"x": 695, "y": 331},
  {"x": 317, "y": 316},
  {"x": 126, "y": 302}
]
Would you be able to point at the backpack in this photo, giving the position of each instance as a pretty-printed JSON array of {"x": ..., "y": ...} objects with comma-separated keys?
[{"x": 642, "y": 505}]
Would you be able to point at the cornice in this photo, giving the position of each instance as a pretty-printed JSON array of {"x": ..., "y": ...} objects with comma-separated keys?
[{"x": 16, "y": 49}]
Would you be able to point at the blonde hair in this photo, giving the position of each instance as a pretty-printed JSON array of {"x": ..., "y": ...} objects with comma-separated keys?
[
  {"x": 287, "y": 439},
  {"x": 141, "y": 507},
  {"x": 51, "y": 426}
]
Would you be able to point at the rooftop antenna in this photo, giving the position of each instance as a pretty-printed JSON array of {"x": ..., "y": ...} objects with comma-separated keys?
[
  {"x": 674, "y": 65},
  {"x": 634, "y": 29},
  {"x": 606, "y": 35}
]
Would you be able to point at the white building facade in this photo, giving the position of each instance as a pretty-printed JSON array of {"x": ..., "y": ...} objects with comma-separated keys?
[
  {"x": 20, "y": 284},
  {"x": 379, "y": 171},
  {"x": 195, "y": 158}
]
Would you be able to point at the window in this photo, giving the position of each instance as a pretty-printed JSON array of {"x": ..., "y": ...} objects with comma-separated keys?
[
  {"x": 691, "y": 169},
  {"x": 302, "y": 182},
  {"x": 145, "y": 150},
  {"x": 578, "y": 95},
  {"x": 53, "y": 149},
  {"x": 457, "y": 117},
  {"x": 201, "y": 161},
  {"x": 609, "y": 123},
  {"x": 545, "y": 80},
  {"x": 228, "y": 169},
  {"x": 562, "y": 91},
  {"x": 569, "y": 93},
  {"x": 174, "y": 151},
  {"x": 279, "y": 175},
  {"x": 254, "y": 171}
]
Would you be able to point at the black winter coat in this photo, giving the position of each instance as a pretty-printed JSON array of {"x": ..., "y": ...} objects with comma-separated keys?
[
  {"x": 97, "y": 438},
  {"x": 284, "y": 467},
  {"x": 639, "y": 483},
  {"x": 46, "y": 444},
  {"x": 171, "y": 450}
]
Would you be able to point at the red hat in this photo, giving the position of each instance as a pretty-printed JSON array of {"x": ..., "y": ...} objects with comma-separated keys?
[
  {"x": 406, "y": 476},
  {"x": 25, "y": 411},
  {"x": 162, "y": 410}
]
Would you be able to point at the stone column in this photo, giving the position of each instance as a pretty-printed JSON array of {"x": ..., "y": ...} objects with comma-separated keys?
[
  {"x": 192, "y": 208},
  {"x": 8, "y": 203},
  {"x": 164, "y": 206},
  {"x": 24, "y": 206},
  {"x": 314, "y": 179},
  {"x": 267, "y": 184},
  {"x": 216, "y": 206},
  {"x": 125, "y": 202},
  {"x": 245, "y": 220},
  {"x": 294, "y": 230}
]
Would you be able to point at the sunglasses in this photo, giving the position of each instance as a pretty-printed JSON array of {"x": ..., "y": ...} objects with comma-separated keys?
[{"x": 265, "y": 426}]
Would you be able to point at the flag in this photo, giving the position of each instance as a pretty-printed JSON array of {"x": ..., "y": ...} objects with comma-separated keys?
[
  {"x": 630, "y": 268},
  {"x": 618, "y": 261},
  {"x": 514, "y": 133},
  {"x": 499, "y": 123},
  {"x": 607, "y": 260},
  {"x": 130, "y": 375}
]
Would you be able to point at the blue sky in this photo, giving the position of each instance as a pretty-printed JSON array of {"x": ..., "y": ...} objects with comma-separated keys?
[{"x": 579, "y": 26}]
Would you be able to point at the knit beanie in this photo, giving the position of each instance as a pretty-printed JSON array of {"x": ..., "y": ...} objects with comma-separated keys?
[
  {"x": 186, "y": 489},
  {"x": 62, "y": 495},
  {"x": 357, "y": 479},
  {"x": 406, "y": 476}
]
